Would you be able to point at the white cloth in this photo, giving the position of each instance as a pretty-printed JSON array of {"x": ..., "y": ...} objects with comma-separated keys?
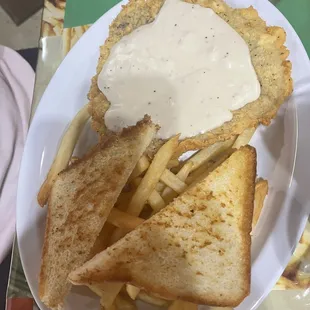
[{"x": 16, "y": 89}]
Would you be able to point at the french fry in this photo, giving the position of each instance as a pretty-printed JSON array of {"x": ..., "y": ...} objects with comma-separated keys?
[
  {"x": 285, "y": 283},
  {"x": 150, "y": 299},
  {"x": 185, "y": 171},
  {"x": 261, "y": 191},
  {"x": 196, "y": 173},
  {"x": 56, "y": 12},
  {"x": 300, "y": 251},
  {"x": 182, "y": 305},
  {"x": 152, "y": 176},
  {"x": 66, "y": 41},
  {"x": 122, "y": 201},
  {"x": 149, "y": 181},
  {"x": 74, "y": 38},
  {"x": 64, "y": 153},
  {"x": 123, "y": 303},
  {"x": 123, "y": 220},
  {"x": 156, "y": 201},
  {"x": 173, "y": 181},
  {"x": 132, "y": 291},
  {"x": 173, "y": 163},
  {"x": 79, "y": 31},
  {"x": 160, "y": 187},
  {"x": 50, "y": 20},
  {"x": 141, "y": 166},
  {"x": 193, "y": 180},
  {"x": 209, "y": 153},
  {"x": 107, "y": 292},
  {"x": 58, "y": 29},
  {"x": 48, "y": 15},
  {"x": 61, "y": 4},
  {"x": 102, "y": 240},
  {"x": 306, "y": 235},
  {"x": 303, "y": 279},
  {"x": 112, "y": 307},
  {"x": 47, "y": 30},
  {"x": 168, "y": 193},
  {"x": 244, "y": 138}
]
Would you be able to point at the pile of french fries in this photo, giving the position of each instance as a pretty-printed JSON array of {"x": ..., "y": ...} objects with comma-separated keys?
[
  {"x": 296, "y": 275},
  {"x": 53, "y": 25},
  {"x": 153, "y": 184}
]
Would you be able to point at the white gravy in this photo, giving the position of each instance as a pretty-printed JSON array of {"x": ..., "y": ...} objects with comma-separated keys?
[{"x": 188, "y": 70}]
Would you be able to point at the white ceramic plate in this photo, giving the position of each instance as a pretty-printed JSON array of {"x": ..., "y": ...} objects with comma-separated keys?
[{"x": 286, "y": 169}]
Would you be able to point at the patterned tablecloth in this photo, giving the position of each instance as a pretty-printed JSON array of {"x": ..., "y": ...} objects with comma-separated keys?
[{"x": 63, "y": 23}]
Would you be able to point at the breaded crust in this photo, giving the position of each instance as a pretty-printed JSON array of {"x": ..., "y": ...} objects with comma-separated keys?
[
  {"x": 196, "y": 249},
  {"x": 268, "y": 56}
]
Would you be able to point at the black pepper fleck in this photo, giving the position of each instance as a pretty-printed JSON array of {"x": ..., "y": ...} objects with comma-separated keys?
[{"x": 154, "y": 91}]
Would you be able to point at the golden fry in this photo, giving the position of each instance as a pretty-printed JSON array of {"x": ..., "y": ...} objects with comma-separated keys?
[
  {"x": 152, "y": 176},
  {"x": 132, "y": 291},
  {"x": 244, "y": 138},
  {"x": 209, "y": 153},
  {"x": 123, "y": 303},
  {"x": 173, "y": 163},
  {"x": 66, "y": 41},
  {"x": 74, "y": 38},
  {"x": 107, "y": 292},
  {"x": 173, "y": 181},
  {"x": 64, "y": 153},
  {"x": 50, "y": 20},
  {"x": 123, "y": 220},
  {"x": 79, "y": 31},
  {"x": 261, "y": 190},
  {"x": 168, "y": 193},
  {"x": 102, "y": 240},
  {"x": 160, "y": 187},
  {"x": 61, "y": 4},
  {"x": 56, "y": 12},
  {"x": 285, "y": 283},
  {"x": 58, "y": 29},
  {"x": 150, "y": 299},
  {"x": 300, "y": 251},
  {"x": 141, "y": 166},
  {"x": 156, "y": 201},
  {"x": 47, "y": 30},
  {"x": 193, "y": 179}
]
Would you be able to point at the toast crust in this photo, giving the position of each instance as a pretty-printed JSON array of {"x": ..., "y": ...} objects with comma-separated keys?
[
  {"x": 130, "y": 259},
  {"x": 268, "y": 56}
]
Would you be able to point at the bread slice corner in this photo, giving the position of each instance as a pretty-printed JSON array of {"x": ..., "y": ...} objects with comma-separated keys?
[{"x": 197, "y": 249}]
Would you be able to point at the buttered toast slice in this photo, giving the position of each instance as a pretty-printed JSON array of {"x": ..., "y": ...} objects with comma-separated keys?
[
  {"x": 196, "y": 249},
  {"x": 79, "y": 204}
]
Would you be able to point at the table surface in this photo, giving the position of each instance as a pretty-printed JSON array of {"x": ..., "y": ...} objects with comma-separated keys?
[{"x": 56, "y": 42}]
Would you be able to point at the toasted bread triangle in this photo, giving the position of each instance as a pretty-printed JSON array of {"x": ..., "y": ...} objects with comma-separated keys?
[
  {"x": 79, "y": 204},
  {"x": 196, "y": 249}
]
